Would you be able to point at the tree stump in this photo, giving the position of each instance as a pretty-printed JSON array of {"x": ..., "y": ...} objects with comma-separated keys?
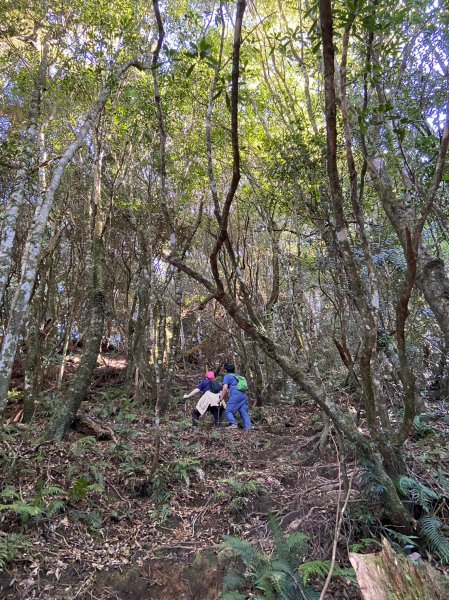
[{"x": 391, "y": 576}]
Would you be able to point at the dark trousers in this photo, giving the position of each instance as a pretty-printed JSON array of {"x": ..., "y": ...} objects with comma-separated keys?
[{"x": 217, "y": 411}]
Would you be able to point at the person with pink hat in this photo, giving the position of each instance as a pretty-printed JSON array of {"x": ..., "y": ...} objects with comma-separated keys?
[{"x": 210, "y": 401}]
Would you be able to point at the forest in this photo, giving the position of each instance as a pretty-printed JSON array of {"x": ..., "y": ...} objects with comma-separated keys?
[{"x": 190, "y": 188}]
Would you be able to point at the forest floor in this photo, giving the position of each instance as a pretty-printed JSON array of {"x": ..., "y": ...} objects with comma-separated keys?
[{"x": 88, "y": 522}]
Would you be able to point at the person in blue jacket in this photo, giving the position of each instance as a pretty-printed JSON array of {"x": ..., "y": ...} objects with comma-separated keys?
[{"x": 238, "y": 401}]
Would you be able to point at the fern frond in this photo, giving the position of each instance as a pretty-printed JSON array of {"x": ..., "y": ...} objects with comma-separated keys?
[
  {"x": 52, "y": 490},
  {"x": 298, "y": 543},
  {"x": 419, "y": 493},
  {"x": 22, "y": 509},
  {"x": 11, "y": 545},
  {"x": 233, "y": 595},
  {"x": 54, "y": 507},
  {"x": 268, "y": 582},
  {"x": 244, "y": 550},
  {"x": 9, "y": 492},
  {"x": 233, "y": 581},
  {"x": 314, "y": 567},
  {"x": 311, "y": 594},
  {"x": 283, "y": 566},
  {"x": 405, "y": 540},
  {"x": 93, "y": 519},
  {"x": 431, "y": 527}
]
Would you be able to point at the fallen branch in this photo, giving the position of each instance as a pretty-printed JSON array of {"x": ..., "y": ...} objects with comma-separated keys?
[{"x": 87, "y": 425}]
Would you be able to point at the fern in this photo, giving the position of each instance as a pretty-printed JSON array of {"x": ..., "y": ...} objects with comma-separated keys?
[
  {"x": 290, "y": 548},
  {"x": 240, "y": 492},
  {"x": 402, "y": 539},
  {"x": 420, "y": 428},
  {"x": 54, "y": 507},
  {"x": 273, "y": 576},
  {"x": 79, "y": 448},
  {"x": 314, "y": 567},
  {"x": 245, "y": 551},
  {"x": 161, "y": 513},
  {"x": 233, "y": 595},
  {"x": 92, "y": 518},
  {"x": 182, "y": 468},
  {"x": 321, "y": 568},
  {"x": 419, "y": 493},
  {"x": 233, "y": 581},
  {"x": 431, "y": 528},
  {"x": 237, "y": 504},
  {"x": 11, "y": 545},
  {"x": 244, "y": 488},
  {"x": 23, "y": 510},
  {"x": 82, "y": 487},
  {"x": 51, "y": 490},
  {"x": 9, "y": 492}
]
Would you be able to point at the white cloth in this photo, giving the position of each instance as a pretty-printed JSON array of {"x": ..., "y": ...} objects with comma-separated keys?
[{"x": 206, "y": 400}]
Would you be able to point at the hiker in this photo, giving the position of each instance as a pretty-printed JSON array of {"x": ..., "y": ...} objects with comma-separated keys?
[
  {"x": 236, "y": 386},
  {"x": 210, "y": 401}
]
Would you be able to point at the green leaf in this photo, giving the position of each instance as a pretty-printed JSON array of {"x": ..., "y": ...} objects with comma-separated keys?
[{"x": 190, "y": 69}]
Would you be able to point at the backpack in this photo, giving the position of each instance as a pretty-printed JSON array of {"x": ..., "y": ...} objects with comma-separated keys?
[
  {"x": 214, "y": 387},
  {"x": 242, "y": 384}
]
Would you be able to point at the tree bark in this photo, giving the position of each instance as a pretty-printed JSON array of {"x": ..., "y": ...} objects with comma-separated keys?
[
  {"x": 33, "y": 248},
  {"x": 70, "y": 401},
  {"x": 26, "y": 161},
  {"x": 389, "y": 575}
]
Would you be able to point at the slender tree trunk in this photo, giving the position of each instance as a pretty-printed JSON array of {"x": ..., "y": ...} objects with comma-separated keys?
[
  {"x": 344, "y": 422},
  {"x": 173, "y": 355},
  {"x": 26, "y": 161},
  {"x": 70, "y": 400},
  {"x": 33, "y": 366},
  {"x": 32, "y": 252},
  {"x": 138, "y": 365}
]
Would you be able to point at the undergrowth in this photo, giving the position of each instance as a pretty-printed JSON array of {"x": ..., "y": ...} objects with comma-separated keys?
[{"x": 282, "y": 574}]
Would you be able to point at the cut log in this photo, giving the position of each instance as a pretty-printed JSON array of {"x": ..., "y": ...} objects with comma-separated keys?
[
  {"x": 88, "y": 426},
  {"x": 388, "y": 576}
]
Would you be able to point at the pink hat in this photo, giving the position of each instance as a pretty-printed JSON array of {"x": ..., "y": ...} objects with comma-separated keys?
[{"x": 210, "y": 375}]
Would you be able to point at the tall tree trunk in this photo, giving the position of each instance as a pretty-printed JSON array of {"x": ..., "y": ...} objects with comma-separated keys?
[
  {"x": 32, "y": 252},
  {"x": 33, "y": 365},
  {"x": 431, "y": 272},
  {"x": 138, "y": 364},
  {"x": 26, "y": 161},
  {"x": 70, "y": 400},
  {"x": 173, "y": 350}
]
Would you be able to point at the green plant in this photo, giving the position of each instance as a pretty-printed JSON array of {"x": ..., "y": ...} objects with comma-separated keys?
[
  {"x": 419, "y": 493},
  {"x": 239, "y": 492},
  {"x": 161, "y": 513},
  {"x": 80, "y": 446},
  {"x": 11, "y": 545},
  {"x": 14, "y": 394},
  {"x": 363, "y": 544},
  {"x": 91, "y": 518},
  {"x": 23, "y": 510},
  {"x": 131, "y": 468},
  {"x": 271, "y": 576},
  {"x": 36, "y": 507},
  {"x": 125, "y": 414},
  {"x": 81, "y": 487},
  {"x": 184, "y": 425},
  {"x": 433, "y": 530},
  {"x": 322, "y": 568},
  {"x": 420, "y": 428},
  {"x": 181, "y": 469},
  {"x": 92, "y": 472},
  {"x": 431, "y": 527}
]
